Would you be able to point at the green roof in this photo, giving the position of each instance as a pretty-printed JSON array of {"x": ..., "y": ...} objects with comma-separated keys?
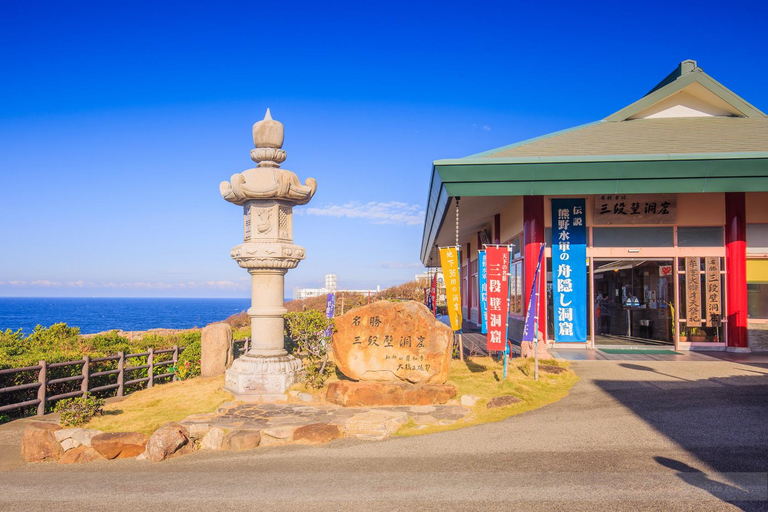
[{"x": 620, "y": 154}]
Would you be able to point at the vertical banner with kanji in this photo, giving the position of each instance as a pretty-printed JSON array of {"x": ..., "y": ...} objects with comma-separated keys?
[
  {"x": 532, "y": 313},
  {"x": 692, "y": 292},
  {"x": 497, "y": 263},
  {"x": 449, "y": 259},
  {"x": 569, "y": 269},
  {"x": 483, "y": 284},
  {"x": 713, "y": 290},
  {"x": 330, "y": 310},
  {"x": 433, "y": 294}
]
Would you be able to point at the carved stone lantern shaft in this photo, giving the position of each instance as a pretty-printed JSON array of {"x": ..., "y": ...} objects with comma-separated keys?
[{"x": 267, "y": 194}]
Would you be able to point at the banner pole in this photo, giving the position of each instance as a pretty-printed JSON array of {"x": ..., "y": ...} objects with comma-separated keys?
[
  {"x": 506, "y": 353},
  {"x": 536, "y": 324}
]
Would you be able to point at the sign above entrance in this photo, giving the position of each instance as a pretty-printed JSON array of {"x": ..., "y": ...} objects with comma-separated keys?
[{"x": 635, "y": 209}]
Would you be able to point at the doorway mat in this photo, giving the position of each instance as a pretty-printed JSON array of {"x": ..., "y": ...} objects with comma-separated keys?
[{"x": 638, "y": 351}]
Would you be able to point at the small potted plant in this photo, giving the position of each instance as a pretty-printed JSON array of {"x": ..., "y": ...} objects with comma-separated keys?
[{"x": 697, "y": 334}]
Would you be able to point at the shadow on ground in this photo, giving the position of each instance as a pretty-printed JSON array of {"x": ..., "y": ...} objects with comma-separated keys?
[{"x": 721, "y": 421}]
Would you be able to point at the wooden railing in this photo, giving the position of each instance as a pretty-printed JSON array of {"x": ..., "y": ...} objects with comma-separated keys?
[{"x": 121, "y": 385}]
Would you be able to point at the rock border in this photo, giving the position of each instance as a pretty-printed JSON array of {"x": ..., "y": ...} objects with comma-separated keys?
[{"x": 49, "y": 442}]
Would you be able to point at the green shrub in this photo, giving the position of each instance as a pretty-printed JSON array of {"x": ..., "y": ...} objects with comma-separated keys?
[
  {"x": 188, "y": 365},
  {"x": 107, "y": 344},
  {"x": 57, "y": 336},
  {"x": 79, "y": 411},
  {"x": 307, "y": 339}
]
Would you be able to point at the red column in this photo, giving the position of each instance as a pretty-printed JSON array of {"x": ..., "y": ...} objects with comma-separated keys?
[
  {"x": 533, "y": 237},
  {"x": 736, "y": 267}
]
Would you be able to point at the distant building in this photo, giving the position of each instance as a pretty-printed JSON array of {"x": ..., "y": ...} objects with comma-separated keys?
[
  {"x": 330, "y": 282},
  {"x": 425, "y": 280},
  {"x": 330, "y": 287}
]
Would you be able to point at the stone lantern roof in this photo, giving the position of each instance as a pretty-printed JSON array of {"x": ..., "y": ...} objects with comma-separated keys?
[{"x": 268, "y": 180}]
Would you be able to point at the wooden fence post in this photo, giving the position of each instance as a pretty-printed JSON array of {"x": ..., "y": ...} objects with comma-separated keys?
[
  {"x": 86, "y": 374},
  {"x": 121, "y": 373},
  {"x": 41, "y": 378},
  {"x": 175, "y": 361},
  {"x": 151, "y": 369}
]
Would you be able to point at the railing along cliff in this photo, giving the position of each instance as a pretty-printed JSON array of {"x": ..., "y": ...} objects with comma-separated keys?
[{"x": 85, "y": 377}]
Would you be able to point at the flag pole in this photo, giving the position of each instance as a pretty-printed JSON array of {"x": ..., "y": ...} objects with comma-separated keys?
[{"x": 536, "y": 327}]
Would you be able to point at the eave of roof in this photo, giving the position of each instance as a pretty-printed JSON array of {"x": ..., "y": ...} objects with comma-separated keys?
[{"x": 609, "y": 174}]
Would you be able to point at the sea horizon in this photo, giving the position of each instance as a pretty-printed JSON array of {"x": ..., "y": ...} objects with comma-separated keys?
[{"x": 99, "y": 314}]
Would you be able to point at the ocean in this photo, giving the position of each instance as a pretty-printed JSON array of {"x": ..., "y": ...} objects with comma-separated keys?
[{"x": 94, "y": 315}]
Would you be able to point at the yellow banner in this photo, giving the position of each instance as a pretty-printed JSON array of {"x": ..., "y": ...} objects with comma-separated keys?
[
  {"x": 449, "y": 259},
  {"x": 757, "y": 271}
]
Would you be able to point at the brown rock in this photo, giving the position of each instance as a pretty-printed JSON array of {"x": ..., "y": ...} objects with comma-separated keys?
[
  {"x": 240, "y": 440},
  {"x": 167, "y": 440},
  {"x": 38, "y": 443},
  {"x": 502, "y": 401},
  {"x": 80, "y": 455},
  {"x": 119, "y": 445},
  {"x": 366, "y": 394},
  {"x": 528, "y": 349},
  {"x": 216, "y": 350},
  {"x": 317, "y": 433},
  {"x": 392, "y": 342}
]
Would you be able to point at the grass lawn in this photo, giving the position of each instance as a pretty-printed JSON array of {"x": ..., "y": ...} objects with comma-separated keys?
[
  {"x": 144, "y": 411},
  {"x": 483, "y": 377}
]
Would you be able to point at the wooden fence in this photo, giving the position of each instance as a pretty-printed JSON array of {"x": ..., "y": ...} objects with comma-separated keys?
[{"x": 42, "y": 384}]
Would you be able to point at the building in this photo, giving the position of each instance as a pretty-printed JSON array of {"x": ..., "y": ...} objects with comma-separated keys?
[
  {"x": 667, "y": 198},
  {"x": 330, "y": 287}
]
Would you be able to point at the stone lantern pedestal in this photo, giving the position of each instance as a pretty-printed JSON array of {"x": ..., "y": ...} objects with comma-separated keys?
[{"x": 267, "y": 194}]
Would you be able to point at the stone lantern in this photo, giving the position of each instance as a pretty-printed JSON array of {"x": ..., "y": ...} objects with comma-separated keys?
[{"x": 267, "y": 194}]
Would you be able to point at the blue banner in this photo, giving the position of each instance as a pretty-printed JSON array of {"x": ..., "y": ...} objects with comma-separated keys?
[
  {"x": 569, "y": 269},
  {"x": 532, "y": 313},
  {"x": 483, "y": 293},
  {"x": 330, "y": 311}
]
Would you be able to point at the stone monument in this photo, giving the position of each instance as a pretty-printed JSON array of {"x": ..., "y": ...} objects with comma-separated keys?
[
  {"x": 267, "y": 194},
  {"x": 395, "y": 353}
]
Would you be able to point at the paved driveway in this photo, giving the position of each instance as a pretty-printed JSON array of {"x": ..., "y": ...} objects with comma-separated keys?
[{"x": 631, "y": 436}]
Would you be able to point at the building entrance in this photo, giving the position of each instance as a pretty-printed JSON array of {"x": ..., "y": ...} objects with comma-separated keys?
[{"x": 633, "y": 302}]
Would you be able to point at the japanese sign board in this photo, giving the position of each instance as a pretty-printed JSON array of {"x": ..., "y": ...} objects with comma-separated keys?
[
  {"x": 483, "y": 292},
  {"x": 449, "y": 259},
  {"x": 712, "y": 280},
  {"x": 497, "y": 263},
  {"x": 692, "y": 292},
  {"x": 569, "y": 269},
  {"x": 635, "y": 209}
]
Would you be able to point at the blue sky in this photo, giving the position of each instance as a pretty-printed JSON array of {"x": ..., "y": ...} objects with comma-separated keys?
[{"x": 119, "y": 120}]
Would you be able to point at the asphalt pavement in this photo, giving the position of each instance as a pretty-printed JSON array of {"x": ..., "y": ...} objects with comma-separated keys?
[{"x": 652, "y": 435}]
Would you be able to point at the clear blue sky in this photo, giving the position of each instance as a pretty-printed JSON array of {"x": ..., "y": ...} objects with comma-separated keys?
[{"x": 118, "y": 120}]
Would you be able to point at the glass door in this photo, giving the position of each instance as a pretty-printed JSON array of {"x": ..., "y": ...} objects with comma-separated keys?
[{"x": 633, "y": 302}]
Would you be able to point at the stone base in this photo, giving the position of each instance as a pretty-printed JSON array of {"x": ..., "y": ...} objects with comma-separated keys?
[
  {"x": 261, "y": 379},
  {"x": 367, "y": 394}
]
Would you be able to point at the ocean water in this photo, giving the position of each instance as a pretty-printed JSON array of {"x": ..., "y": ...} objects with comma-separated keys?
[{"x": 93, "y": 315}]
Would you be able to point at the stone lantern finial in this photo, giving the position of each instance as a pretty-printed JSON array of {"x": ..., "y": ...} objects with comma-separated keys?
[{"x": 268, "y": 136}]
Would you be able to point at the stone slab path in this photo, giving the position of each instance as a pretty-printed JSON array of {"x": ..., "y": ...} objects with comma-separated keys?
[{"x": 278, "y": 421}]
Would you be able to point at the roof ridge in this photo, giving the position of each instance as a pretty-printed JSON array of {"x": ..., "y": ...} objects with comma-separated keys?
[{"x": 685, "y": 67}]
